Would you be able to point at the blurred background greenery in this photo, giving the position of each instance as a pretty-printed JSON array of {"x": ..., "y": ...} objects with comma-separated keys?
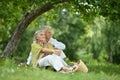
[{"x": 89, "y": 30}]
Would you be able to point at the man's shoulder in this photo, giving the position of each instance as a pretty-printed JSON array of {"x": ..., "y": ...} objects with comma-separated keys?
[{"x": 52, "y": 39}]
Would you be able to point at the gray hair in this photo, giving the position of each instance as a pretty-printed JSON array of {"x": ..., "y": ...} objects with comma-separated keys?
[
  {"x": 45, "y": 28},
  {"x": 35, "y": 34}
]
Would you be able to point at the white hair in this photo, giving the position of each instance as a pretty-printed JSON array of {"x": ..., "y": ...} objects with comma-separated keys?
[
  {"x": 46, "y": 28},
  {"x": 35, "y": 34}
]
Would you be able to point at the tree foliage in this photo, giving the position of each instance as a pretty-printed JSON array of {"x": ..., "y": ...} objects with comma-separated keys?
[{"x": 90, "y": 25}]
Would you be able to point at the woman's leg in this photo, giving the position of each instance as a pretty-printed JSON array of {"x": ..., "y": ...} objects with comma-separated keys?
[{"x": 51, "y": 60}]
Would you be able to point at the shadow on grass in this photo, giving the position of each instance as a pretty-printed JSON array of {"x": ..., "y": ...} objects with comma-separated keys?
[{"x": 109, "y": 69}]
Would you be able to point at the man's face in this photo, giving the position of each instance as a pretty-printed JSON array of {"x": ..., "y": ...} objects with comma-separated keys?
[{"x": 48, "y": 34}]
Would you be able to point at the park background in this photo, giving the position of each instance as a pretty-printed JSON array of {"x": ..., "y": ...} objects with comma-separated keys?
[{"x": 88, "y": 28}]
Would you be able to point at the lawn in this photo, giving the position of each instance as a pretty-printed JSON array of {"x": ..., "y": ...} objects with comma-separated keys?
[{"x": 10, "y": 71}]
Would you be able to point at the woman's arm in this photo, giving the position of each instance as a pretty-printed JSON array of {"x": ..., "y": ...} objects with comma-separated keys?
[
  {"x": 55, "y": 51},
  {"x": 46, "y": 50}
]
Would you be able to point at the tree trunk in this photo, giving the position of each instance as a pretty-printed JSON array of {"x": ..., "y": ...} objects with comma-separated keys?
[
  {"x": 16, "y": 37},
  {"x": 111, "y": 53},
  {"x": 28, "y": 18}
]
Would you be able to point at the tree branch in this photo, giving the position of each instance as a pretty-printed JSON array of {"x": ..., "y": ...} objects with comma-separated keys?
[{"x": 27, "y": 19}]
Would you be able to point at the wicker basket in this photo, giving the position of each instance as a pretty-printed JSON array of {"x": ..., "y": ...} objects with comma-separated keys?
[{"x": 81, "y": 67}]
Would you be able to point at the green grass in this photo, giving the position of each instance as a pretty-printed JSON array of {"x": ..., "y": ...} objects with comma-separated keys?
[{"x": 10, "y": 71}]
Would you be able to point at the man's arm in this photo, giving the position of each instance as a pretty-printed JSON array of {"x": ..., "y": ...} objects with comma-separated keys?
[{"x": 57, "y": 44}]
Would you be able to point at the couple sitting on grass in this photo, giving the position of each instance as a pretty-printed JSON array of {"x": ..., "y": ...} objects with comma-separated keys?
[{"x": 46, "y": 51}]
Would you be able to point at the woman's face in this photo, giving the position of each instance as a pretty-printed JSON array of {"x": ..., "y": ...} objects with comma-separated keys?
[
  {"x": 48, "y": 34},
  {"x": 40, "y": 36}
]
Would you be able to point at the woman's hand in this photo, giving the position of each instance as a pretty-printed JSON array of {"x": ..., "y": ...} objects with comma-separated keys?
[{"x": 57, "y": 52}]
